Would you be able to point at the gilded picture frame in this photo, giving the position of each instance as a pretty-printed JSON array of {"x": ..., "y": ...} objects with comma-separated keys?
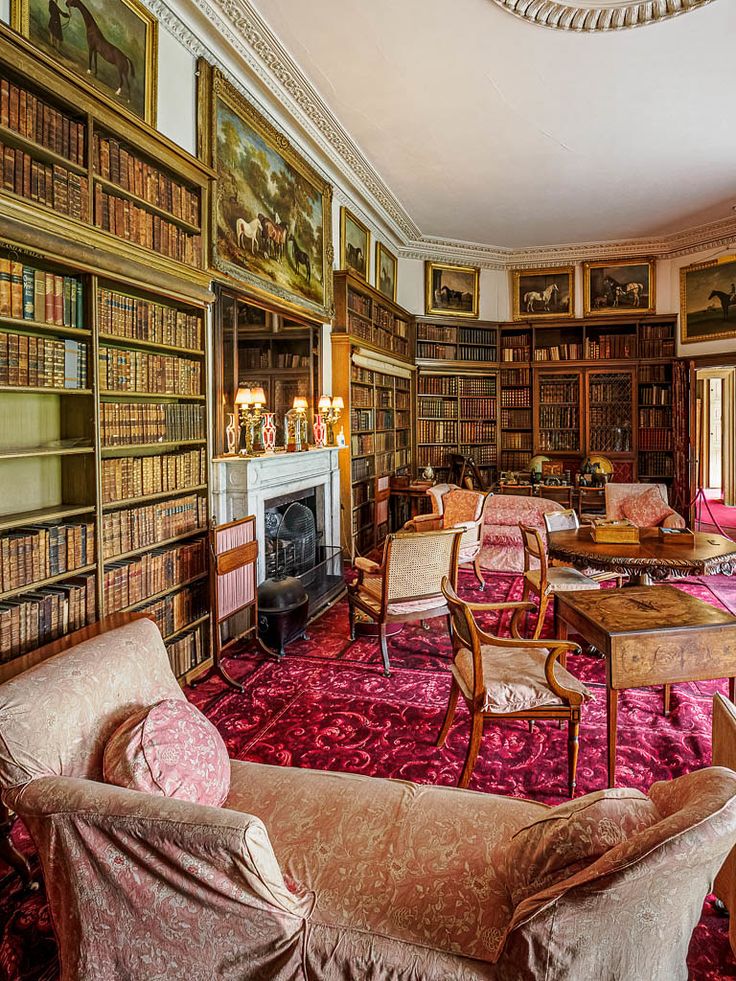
[
  {"x": 271, "y": 219},
  {"x": 110, "y": 46},
  {"x": 355, "y": 245},
  {"x": 543, "y": 294},
  {"x": 451, "y": 290},
  {"x": 387, "y": 271},
  {"x": 708, "y": 301},
  {"x": 619, "y": 287}
]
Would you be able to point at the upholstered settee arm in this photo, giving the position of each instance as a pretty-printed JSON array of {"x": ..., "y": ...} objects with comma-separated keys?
[
  {"x": 674, "y": 520},
  {"x": 196, "y": 891},
  {"x": 424, "y": 522}
]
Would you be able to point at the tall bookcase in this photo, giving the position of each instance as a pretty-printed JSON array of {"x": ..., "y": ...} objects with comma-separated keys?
[
  {"x": 103, "y": 457},
  {"x": 457, "y": 393},
  {"x": 373, "y": 371},
  {"x": 103, "y": 367}
]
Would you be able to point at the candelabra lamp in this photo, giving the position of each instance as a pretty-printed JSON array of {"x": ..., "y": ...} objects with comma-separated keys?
[
  {"x": 250, "y": 403},
  {"x": 295, "y": 425},
  {"x": 330, "y": 410}
]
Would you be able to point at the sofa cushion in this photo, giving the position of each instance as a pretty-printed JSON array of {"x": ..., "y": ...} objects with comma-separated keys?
[
  {"x": 514, "y": 678},
  {"x": 647, "y": 509},
  {"x": 172, "y": 750},
  {"x": 570, "y": 837},
  {"x": 561, "y": 579}
]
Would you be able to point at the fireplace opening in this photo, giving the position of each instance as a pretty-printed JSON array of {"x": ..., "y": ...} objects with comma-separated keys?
[{"x": 294, "y": 546}]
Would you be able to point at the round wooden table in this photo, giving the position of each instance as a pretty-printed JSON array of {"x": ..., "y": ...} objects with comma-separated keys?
[{"x": 650, "y": 559}]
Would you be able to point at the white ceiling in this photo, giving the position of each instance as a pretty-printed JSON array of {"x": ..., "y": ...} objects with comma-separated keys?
[{"x": 492, "y": 130}]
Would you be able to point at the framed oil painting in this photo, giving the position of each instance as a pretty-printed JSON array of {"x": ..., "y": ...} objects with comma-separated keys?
[
  {"x": 620, "y": 287},
  {"x": 453, "y": 290},
  {"x": 271, "y": 223},
  {"x": 111, "y": 44},
  {"x": 543, "y": 294},
  {"x": 355, "y": 245},
  {"x": 708, "y": 300},
  {"x": 386, "y": 271}
]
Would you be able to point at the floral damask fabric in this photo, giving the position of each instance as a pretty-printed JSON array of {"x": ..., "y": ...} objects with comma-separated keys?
[
  {"x": 514, "y": 678},
  {"x": 460, "y": 506},
  {"x": 58, "y": 716},
  {"x": 571, "y": 837},
  {"x": 502, "y": 543},
  {"x": 646, "y": 510},
  {"x": 169, "y": 749}
]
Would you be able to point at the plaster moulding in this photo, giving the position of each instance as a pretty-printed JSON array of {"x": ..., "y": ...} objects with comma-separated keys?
[
  {"x": 589, "y": 15},
  {"x": 239, "y": 25}
]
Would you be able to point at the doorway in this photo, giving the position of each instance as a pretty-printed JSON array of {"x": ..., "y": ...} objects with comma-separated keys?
[{"x": 716, "y": 436}]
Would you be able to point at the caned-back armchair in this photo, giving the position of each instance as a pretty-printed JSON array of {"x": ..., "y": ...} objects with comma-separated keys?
[{"x": 407, "y": 584}]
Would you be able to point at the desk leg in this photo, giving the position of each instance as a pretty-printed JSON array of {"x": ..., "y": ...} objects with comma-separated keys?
[{"x": 612, "y": 716}]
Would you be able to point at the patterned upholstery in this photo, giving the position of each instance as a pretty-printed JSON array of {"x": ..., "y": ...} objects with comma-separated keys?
[
  {"x": 560, "y": 579},
  {"x": 514, "y": 678},
  {"x": 616, "y": 494},
  {"x": 502, "y": 548}
]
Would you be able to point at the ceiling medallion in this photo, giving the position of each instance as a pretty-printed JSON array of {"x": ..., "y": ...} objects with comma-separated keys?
[{"x": 588, "y": 15}]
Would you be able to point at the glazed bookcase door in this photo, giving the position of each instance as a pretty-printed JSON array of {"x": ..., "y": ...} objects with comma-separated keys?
[
  {"x": 558, "y": 412},
  {"x": 611, "y": 417}
]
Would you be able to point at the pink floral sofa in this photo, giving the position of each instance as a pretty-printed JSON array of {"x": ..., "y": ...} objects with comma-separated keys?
[
  {"x": 629, "y": 501},
  {"x": 502, "y": 549},
  {"x": 315, "y": 875}
]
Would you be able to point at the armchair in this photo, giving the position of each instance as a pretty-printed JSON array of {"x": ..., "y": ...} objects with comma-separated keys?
[
  {"x": 141, "y": 886},
  {"x": 619, "y": 496},
  {"x": 509, "y": 678},
  {"x": 453, "y": 507},
  {"x": 407, "y": 585}
]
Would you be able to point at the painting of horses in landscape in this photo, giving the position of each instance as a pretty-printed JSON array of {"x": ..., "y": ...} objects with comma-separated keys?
[
  {"x": 112, "y": 44},
  {"x": 540, "y": 294},
  {"x": 451, "y": 289},
  {"x": 355, "y": 245},
  {"x": 619, "y": 287},
  {"x": 272, "y": 226},
  {"x": 708, "y": 300}
]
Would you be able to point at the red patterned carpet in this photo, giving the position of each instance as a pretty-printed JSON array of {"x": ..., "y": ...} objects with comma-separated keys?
[{"x": 328, "y": 706}]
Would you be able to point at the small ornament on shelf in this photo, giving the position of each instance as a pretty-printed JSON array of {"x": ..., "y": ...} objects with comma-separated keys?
[
  {"x": 231, "y": 434},
  {"x": 269, "y": 431},
  {"x": 295, "y": 426},
  {"x": 319, "y": 429},
  {"x": 330, "y": 410}
]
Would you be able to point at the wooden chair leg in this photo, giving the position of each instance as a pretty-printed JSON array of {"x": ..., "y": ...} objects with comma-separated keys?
[
  {"x": 478, "y": 572},
  {"x": 666, "y": 699},
  {"x": 450, "y": 713},
  {"x": 531, "y": 725},
  {"x": 476, "y": 735},
  {"x": 543, "y": 604},
  {"x": 573, "y": 746},
  {"x": 384, "y": 649}
]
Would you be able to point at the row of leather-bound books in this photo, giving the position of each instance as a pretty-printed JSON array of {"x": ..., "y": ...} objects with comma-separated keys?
[
  {"x": 138, "y": 527},
  {"x": 131, "y": 221},
  {"x": 129, "y": 582},
  {"x": 35, "y": 119},
  {"x": 126, "y": 423},
  {"x": 37, "y": 552},
  {"x": 28, "y": 293},
  {"x": 52, "y": 185},
  {"x": 146, "y": 320},
  {"x": 139, "y": 371},
  {"x": 38, "y": 618},
  {"x": 42, "y": 362},
  {"x": 138, "y": 476}
]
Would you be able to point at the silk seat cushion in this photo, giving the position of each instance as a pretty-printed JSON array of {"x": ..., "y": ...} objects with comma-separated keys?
[
  {"x": 561, "y": 579},
  {"x": 570, "y": 837},
  {"x": 370, "y": 594},
  {"x": 514, "y": 678},
  {"x": 170, "y": 749}
]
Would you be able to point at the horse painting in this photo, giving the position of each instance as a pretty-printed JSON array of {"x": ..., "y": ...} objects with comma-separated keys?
[
  {"x": 275, "y": 236},
  {"x": 245, "y": 230},
  {"x": 97, "y": 44},
  {"x": 532, "y": 297},
  {"x": 354, "y": 256},
  {"x": 725, "y": 299}
]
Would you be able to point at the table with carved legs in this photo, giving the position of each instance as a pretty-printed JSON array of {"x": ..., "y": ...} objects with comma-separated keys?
[{"x": 650, "y": 635}]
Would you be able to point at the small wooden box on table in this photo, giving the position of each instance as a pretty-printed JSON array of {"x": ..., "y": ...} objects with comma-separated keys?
[{"x": 650, "y": 635}]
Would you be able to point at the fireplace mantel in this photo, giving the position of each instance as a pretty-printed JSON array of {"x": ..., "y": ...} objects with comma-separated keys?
[{"x": 243, "y": 485}]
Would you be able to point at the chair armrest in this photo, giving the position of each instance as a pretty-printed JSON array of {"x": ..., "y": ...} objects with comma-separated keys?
[
  {"x": 366, "y": 565},
  {"x": 560, "y": 648},
  {"x": 424, "y": 522},
  {"x": 220, "y": 851},
  {"x": 674, "y": 520}
]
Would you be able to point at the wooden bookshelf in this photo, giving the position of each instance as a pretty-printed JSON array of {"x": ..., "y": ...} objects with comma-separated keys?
[
  {"x": 105, "y": 494},
  {"x": 443, "y": 340},
  {"x": 85, "y": 178},
  {"x": 369, "y": 317}
]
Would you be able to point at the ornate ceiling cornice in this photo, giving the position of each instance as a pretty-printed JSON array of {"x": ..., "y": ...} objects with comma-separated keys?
[
  {"x": 242, "y": 28},
  {"x": 591, "y": 16}
]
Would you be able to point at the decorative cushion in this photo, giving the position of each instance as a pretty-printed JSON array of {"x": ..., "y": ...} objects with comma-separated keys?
[
  {"x": 646, "y": 510},
  {"x": 561, "y": 579},
  {"x": 514, "y": 678},
  {"x": 571, "y": 837},
  {"x": 460, "y": 506},
  {"x": 172, "y": 750},
  {"x": 370, "y": 594}
]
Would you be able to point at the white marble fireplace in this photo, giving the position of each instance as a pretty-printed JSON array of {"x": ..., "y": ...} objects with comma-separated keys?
[{"x": 246, "y": 485}]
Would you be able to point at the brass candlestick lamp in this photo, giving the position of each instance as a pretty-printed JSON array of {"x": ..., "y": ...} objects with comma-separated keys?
[
  {"x": 296, "y": 426},
  {"x": 330, "y": 410},
  {"x": 250, "y": 403}
]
